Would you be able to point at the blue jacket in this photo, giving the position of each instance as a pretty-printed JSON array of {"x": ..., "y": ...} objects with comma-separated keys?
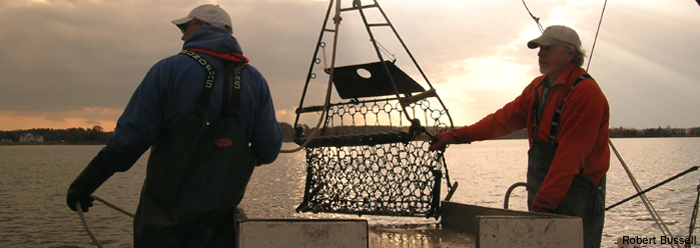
[{"x": 168, "y": 92}]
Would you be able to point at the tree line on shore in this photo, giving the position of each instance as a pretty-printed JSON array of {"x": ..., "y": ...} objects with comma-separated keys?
[{"x": 97, "y": 135}]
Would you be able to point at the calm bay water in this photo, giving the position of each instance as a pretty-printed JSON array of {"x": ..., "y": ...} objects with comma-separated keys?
[{"x": 34, "y": 180}]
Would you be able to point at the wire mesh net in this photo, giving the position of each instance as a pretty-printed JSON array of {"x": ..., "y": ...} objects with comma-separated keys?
[{"x": 358, "y": 166}]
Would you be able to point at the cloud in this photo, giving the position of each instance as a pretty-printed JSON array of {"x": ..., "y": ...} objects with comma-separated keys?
[{"x": 60, "y": 59}]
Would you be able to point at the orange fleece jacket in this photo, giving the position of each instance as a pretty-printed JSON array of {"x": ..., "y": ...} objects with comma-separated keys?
[{"x": 582, "y": 136}]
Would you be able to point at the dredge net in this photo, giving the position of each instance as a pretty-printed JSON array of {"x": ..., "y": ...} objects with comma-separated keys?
[{"x": 358, "y": 166}]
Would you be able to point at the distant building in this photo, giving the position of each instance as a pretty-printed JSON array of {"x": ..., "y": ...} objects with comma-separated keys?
[
  {"x": 3, "y": 140},
  {"x": 30, "y": 137}
]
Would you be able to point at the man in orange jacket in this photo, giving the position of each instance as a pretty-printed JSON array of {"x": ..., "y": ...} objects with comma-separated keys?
[{"x": 566, "y": 115}]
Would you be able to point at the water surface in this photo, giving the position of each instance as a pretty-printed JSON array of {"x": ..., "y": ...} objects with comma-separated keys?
[{"x": 34, "y": 180}]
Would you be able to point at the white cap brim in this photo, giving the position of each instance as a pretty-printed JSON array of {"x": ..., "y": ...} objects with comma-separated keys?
[
  {"x": 543, "y": 40},
  {"x": 182, "y": 20}
]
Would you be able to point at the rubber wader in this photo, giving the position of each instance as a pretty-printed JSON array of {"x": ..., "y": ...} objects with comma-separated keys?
[
  {"x": 196, "y": 175},
  {"x": 584, "y": 199}
]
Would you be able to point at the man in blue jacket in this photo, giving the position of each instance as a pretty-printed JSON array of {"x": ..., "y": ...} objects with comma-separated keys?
[{"x": 208, "y": 119}]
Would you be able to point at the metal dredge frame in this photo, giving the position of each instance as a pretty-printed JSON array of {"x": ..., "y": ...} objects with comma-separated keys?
[{"x": 358, "y": 166}]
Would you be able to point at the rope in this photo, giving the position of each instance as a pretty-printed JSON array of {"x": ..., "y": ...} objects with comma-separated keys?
[
  {"x": 694, "y": 216},
  {"x": 87, "y": 229},
  {"x": 336, "y": 20},
  {"x": 600, "y": 21},
  {"x": 654, "y": 215},
  {"x": 325, "y": 60},
  {"x": 694, "y": 168},
  {"x": 385, "y": 51},
  {"x": 596, "y": 35},
  {"x": 114, "y": 207},
  {"x": 537, "y": 19},
  {"x": 85, "y": 225}
]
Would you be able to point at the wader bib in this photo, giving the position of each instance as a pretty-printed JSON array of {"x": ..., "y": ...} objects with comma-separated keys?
[
  {"x": 584, "y": 199},
  {"x": 197, "y": 174}
]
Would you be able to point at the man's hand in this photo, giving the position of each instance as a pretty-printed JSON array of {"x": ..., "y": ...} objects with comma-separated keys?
[
  {"x": 544, "y": 203},
  {"x": 77, "y": 195},
  {"x": 441, "y": 140},
  {"x": 86, "y": 183}
]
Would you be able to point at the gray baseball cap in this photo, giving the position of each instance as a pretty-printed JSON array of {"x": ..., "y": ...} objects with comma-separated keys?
[
  {"x": 555, "y": 34},
  {"x": 212, "y": 14}
]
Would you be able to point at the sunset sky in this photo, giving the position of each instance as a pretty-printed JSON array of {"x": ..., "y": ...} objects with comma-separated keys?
[{"x": 75, "y": 63}]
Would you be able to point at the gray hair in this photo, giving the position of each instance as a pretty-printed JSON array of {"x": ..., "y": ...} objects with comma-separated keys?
[{"x": 579, "y": 54}]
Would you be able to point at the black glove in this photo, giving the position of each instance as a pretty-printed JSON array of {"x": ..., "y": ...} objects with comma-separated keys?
[{"x": 86, "y": 183}]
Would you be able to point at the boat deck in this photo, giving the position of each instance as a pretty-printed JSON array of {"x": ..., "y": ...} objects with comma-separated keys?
[
  {"x": 458, "y": 226},
  {"x": 430, "y": 235}
]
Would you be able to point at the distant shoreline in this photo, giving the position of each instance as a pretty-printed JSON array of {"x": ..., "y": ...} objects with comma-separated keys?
[
  {"x": 52, "y": 143},
  {"x": 65, "y": 143},
  {"x": 97, "y": 136}
]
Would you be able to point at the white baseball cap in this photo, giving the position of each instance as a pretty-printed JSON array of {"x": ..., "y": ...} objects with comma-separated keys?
[
  {"x": 555, "y": 34},
  {"x": 212, "y": 14}
]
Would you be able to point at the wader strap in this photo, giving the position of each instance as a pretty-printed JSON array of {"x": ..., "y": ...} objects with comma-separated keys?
[
  {"x": 232, "y": 76},
  {"x": 203, "y": 98},
  {"x": 557, "y": 115},
  {"x": 536, "y": 106},
  {"x": 226, "y": 88}
]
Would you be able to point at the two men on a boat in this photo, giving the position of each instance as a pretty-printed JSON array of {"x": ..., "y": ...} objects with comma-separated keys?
[{"x": 565, "y": 112}]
